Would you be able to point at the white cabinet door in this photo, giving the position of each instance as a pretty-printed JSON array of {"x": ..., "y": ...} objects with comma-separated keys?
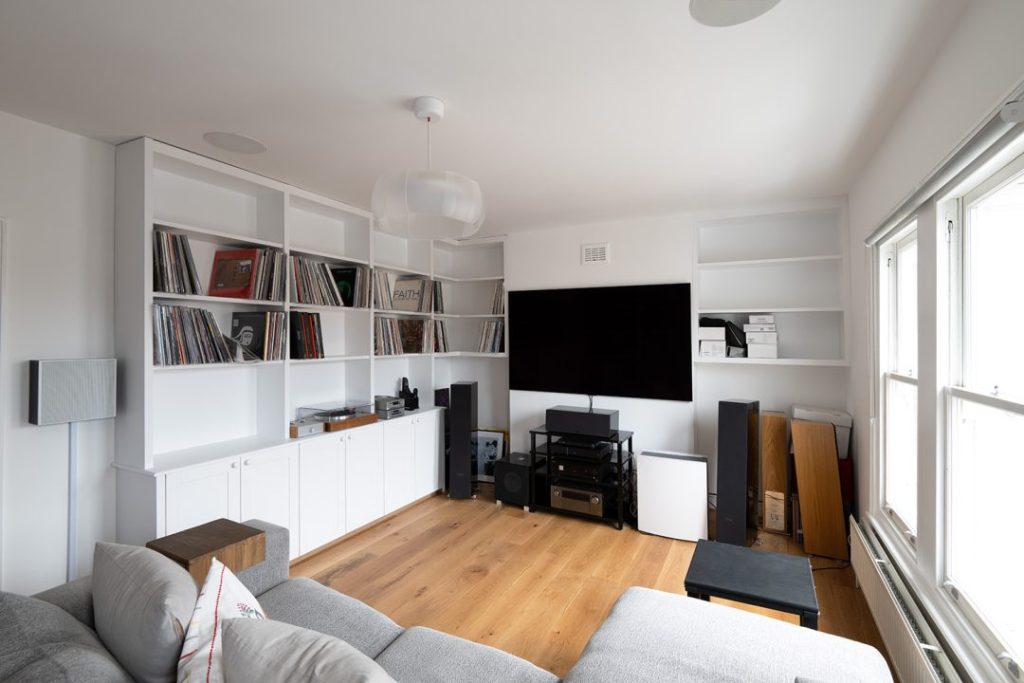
[
  {"x": 364, "y": 476},
  {"x": 270, "y": 489},
  {"x": 398, "y": 463},
  {"x": 427, "y": 459},
  {"x": 321, "y": 491},
  {"x": 201, "y": 494}
]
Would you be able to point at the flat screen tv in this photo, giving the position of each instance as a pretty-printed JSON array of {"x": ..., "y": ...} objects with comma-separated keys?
[{"x": 604, "y": 341}]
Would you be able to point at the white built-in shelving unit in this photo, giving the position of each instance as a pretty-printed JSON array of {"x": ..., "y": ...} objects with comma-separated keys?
[
  {"x": 187, "y": 416},
  {"x": 787, "y": 264}
]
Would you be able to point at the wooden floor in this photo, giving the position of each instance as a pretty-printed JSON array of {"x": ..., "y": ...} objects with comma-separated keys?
[{"x": 534, "y": 584}]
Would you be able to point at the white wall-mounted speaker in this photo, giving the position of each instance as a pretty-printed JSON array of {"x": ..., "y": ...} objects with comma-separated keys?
[{"x": 62, "y": 391}]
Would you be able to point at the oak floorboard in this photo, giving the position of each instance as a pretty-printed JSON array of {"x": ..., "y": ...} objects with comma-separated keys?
[{"x": 534, "y": 584}]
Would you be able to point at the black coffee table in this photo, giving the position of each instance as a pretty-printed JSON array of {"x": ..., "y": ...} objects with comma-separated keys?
[{"x": 756, "y": 577}]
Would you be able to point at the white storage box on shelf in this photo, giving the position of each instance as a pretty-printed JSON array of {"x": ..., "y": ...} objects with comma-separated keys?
[
  {"x": 672, "y": 495},
  {"x": 842, "y": 421},
  {"x": 711, "y": 333}
]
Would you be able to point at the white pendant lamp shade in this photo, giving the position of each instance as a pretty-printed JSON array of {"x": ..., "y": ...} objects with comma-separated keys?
[
  {"x": 427, "y": 204},
  {"x": 421, "y": 203}
]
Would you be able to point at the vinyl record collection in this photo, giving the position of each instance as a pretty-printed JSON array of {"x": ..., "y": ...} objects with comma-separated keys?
[
  {"x": 438, "y": 297},
  {"x": 260, "y": 334},
  {"x": 440, "y": 337},
  {"x": 411, "y": 293},
  {"x": 353, "y": 284},
  {"x": 248, "y": 274},
  {"x": 388, "y": 338},
  {"x": 397, "y": 336},
  {"x": 492, "y": 337},
  {"x": 381, "y": 290},
  {"x": 498, "y": 303},
  {"x": 187, "y": 336},
  {"x": 415, "y": 335},
  {"x": 174, "y": 271},
  {"x": 313, "y": 283},
  {"x": 307, "y": 340}
]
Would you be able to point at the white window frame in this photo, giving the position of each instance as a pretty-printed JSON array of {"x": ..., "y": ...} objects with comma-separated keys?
[
  {"x": 956, "y": 390},
  {"x": 888, "y": 344}
]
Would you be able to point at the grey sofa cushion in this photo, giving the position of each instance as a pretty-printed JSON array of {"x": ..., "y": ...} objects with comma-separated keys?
[
  {"x": 273, "y": 570},
  {"x": 74, "y": 597},
  {"x": 142, "y": 602},
  {"x": 41, "y": 642},
  {"x": 306, "y": 603},
  {"x": 423, "y": 655},
  {"x": 275, "y": 652},
  {"x": 655, "y": 636}
]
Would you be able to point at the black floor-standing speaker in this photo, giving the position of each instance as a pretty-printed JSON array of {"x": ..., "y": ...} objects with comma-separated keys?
[
  {"x": 738, "y": 449},
  {"x": 462, "y": 421}
]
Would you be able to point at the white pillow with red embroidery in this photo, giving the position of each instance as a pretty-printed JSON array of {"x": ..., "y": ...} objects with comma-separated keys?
[{"x": 222, "y": 597}]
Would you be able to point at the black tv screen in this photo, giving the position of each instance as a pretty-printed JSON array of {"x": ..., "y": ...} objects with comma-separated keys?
[{"x": 605, "y": 341}]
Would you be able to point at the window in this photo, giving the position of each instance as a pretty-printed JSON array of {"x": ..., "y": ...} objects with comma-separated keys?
[
  {"x": 898, "y": 308},
  {"x": 986, "y": 413}
]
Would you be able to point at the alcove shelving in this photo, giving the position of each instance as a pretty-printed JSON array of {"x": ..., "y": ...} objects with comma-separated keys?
[
  {"x": 188, "y": 414},
  {"x": 789, "y": 265}
]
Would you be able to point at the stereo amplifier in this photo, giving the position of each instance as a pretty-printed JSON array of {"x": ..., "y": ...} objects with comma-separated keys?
[
  {"x": 595, "y": 471},
  {"x": 387, "y": 403},
  {"x": 577, "y": 499},
  {"x": 589, "y": 450}
]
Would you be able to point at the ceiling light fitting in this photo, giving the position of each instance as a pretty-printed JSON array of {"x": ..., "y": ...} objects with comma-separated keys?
[
  {"x": 728, "y": 12},
  {"x": 1013, "y": 112},
  {"x": 233, "y": 142},
  {"x": 423, "y": 203}
]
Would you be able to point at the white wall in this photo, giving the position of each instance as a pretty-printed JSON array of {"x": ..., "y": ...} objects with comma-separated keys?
[
  {"x": 647, "y": 251},
  {"x": 981, "y": 61},
  {"x": 650, "y": 251},
  {"x": 57, "y": 194}
]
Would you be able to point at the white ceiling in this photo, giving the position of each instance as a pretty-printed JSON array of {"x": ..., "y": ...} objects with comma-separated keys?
[{"x": 565, "y": 111}]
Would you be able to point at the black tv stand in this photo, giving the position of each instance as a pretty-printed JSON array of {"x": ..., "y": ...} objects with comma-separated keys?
[{"x": 618, "y": 486}]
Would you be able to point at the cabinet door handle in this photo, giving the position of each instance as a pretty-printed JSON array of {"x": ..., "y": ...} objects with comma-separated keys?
[
  {"x": 246, "y": 462},
  {"x": 234, "y": 465}
]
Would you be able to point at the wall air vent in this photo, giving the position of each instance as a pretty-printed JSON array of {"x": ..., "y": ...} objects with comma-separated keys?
[{"x": 595, "y": 253}]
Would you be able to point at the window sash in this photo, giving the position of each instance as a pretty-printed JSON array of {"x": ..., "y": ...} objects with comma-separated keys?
[
  {"x": 907, "y": 533},
  {"x": 1008, "y": 174},
  {"x": 956, "y": 593}
]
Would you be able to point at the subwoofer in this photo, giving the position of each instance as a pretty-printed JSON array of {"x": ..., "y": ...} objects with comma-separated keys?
[
  {"x": 462, "y": 421},
  {"x": 738, "y": 449},
  {"x": 512, "y": 479}
]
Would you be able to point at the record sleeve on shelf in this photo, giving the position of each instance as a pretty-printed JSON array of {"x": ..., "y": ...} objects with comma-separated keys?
[{"x": 411, "y": 293}]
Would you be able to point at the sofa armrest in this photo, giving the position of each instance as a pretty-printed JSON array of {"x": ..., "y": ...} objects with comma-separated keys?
[
  {"x": 75, "y": 598},
  {"x": 274, "y": 569}
]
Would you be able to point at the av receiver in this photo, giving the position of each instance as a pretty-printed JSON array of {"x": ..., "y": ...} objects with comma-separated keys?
[{"x": 577, "y": 499}]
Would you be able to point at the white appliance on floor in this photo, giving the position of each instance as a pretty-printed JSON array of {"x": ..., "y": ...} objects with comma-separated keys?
[{"x": 672, "y": 495}]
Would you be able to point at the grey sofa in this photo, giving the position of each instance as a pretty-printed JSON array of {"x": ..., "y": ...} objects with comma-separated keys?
[{"x": 649, "y": 636}]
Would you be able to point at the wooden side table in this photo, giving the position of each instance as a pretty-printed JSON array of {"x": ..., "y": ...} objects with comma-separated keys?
[{"x": 237, "y": 546}]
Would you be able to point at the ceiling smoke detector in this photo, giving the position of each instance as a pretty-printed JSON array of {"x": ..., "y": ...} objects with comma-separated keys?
[
  {"x": 233, "y": 142},
  {"x": 728, "y": 12}
]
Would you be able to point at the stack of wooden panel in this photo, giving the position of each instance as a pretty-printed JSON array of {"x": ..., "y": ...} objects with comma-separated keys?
[{"x": 816, "y": 460}]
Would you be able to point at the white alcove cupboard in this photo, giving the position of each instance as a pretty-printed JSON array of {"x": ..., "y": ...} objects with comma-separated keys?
[{"x": 200, "y": 442}]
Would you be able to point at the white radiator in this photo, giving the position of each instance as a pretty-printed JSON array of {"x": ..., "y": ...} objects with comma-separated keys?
[{"x": 913, "y": 648}]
